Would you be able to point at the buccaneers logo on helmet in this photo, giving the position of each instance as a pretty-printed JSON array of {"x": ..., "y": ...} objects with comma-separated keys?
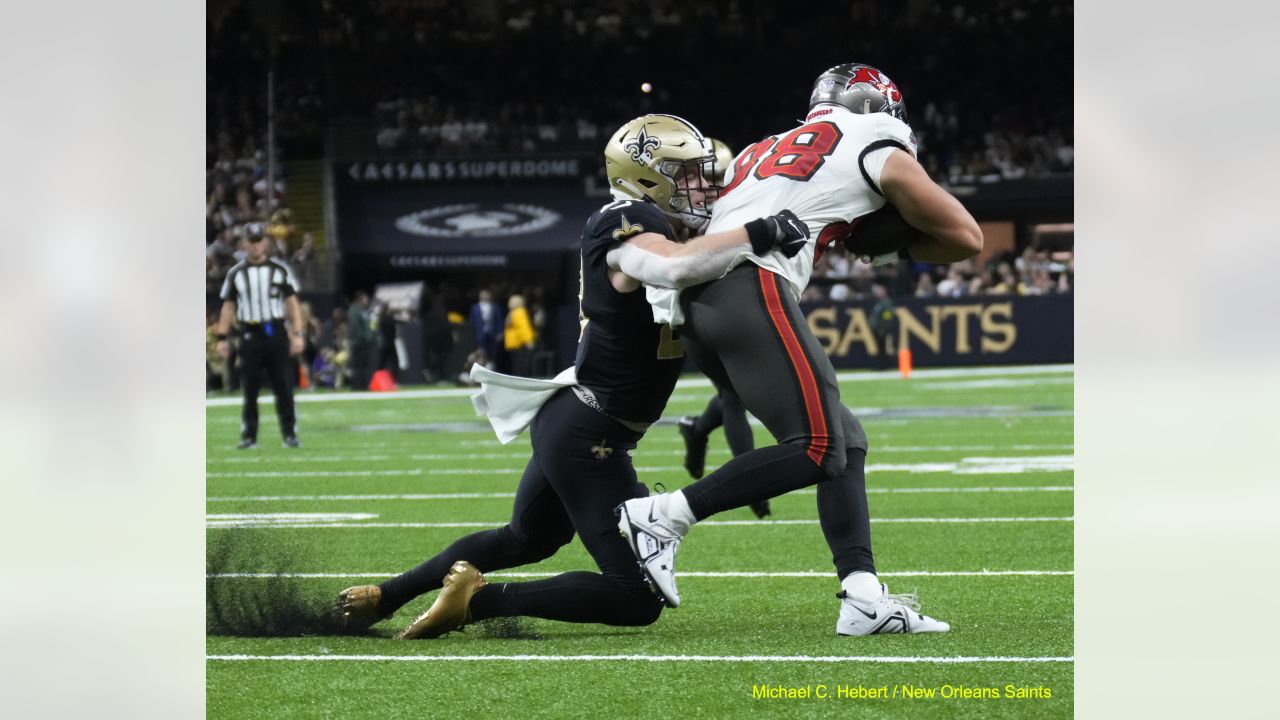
[
  {"x": 860, "y": 88},
  {"x": 877, "y": 80}
]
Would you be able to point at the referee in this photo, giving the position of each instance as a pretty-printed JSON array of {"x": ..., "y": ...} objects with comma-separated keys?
[{"x": 256, "y": 294}]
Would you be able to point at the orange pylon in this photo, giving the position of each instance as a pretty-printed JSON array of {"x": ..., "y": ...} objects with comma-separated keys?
[{"x": 904, "y": 363}]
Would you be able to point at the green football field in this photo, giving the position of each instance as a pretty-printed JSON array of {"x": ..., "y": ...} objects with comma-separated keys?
[{"x": 970, "y": 482}]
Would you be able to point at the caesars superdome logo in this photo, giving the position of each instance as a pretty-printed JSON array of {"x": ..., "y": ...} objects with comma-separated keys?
[{"x": 475, "y": 220}]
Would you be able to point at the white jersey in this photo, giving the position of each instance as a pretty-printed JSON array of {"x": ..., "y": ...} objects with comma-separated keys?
[{"x": 826, "y": 171}]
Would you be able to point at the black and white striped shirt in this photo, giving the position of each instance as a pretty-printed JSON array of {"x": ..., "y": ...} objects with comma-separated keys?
[{"x": 259, "y": 290}]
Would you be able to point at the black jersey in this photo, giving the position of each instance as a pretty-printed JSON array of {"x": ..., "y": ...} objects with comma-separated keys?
[{"x": 629, "y": 362}]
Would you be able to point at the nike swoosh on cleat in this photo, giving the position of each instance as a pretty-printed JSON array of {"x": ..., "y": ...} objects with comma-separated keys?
[{"x": 872, "y": 615}]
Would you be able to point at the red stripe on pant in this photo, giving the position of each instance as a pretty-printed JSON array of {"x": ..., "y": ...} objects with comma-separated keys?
[{"x": 821, "y": 442}]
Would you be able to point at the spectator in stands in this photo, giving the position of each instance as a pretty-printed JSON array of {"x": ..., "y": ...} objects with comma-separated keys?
[
  {"x": 518, "y": 336},
  {"x": 310, "y": 340},
  {"x": 1008, "y": 283},
  {"x": 361, "y": 342},
  {"x": 325, "y": 371},
  {"x": 486, "y": 324},
  {"x": 437, "y": 336},
  {"x": 925, "y": 287},
  {"x": 884, "y": 325},
  {"x": 953, "y": 284},
  {"x": 222, "y": 251},
  {"x": 303, "y": 261},
  {"x": 388, "y": 357}
]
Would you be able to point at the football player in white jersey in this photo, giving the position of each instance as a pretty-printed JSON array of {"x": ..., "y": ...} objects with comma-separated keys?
[
  {"x": 853, "y": 153},
  {"x": 724, "y": 409}
]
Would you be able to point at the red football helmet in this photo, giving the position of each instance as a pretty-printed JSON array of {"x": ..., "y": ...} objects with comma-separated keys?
[{"x": 860, "y": 88}]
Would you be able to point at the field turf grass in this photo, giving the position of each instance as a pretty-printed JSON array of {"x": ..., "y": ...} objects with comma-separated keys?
[{"x": 991, "y": 445}]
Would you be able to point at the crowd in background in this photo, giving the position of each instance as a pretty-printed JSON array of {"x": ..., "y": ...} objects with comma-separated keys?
[
  {"x": 1035, "y": 271},
  {"x": 237, "y": 196},
  {"x": 497, "y": 325},
  {"x": 988, "y": 89}
]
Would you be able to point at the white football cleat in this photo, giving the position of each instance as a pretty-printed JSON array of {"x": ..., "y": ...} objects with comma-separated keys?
[
  {"x": 654, "y": 542},
  {"x": 885, "y": 615}
]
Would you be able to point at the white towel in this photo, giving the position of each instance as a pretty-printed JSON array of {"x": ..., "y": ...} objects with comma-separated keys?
[
  {"x": 665, "y": 304},
  {"x": 511, "y": 402}
]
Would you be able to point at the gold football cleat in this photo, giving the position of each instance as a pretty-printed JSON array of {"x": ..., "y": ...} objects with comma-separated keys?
[
  {"x": 358, "y": 606},
  {"x": 451, "y": 609}
]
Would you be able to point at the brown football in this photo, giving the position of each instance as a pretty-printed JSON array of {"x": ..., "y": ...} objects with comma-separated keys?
[{"x": 880, "y": 233}]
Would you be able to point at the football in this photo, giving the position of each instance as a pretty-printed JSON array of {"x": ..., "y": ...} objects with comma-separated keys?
[{"x": 880, "y": 233}]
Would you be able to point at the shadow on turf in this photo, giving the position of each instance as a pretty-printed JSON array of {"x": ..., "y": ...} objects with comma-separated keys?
[{"x": 263, "y": 607}]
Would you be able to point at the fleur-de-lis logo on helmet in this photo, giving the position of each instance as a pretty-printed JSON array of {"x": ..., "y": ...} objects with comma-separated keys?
[{"x": 642, "y": 146}]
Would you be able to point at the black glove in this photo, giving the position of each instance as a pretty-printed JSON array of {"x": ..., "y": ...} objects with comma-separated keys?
[{"x": 784, "y": 231}]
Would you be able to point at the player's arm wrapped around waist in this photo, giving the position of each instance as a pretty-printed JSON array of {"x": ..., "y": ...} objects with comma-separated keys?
[{"x": 674, "y": 270}]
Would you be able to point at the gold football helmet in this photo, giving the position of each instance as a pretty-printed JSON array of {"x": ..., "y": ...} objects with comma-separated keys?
[
  {"x": 660, "y": 157},
  {"x": 724, "y": 158}
]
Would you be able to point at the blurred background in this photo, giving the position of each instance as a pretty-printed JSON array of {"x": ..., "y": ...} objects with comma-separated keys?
[{"x": 425, "y": 151}]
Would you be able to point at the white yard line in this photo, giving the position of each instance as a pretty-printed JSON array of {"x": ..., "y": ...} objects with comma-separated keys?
[
  {"x": 644, "y": 452},
  {"x": 313, "y": 473},
  {"x": 684, "y": 574},
  {"x": 690, "y": 382},
  {"x": 947, "y": 660},
  {"x": 965, "y": 466},
  {"x": 477, "y": 496},
  {"x": 263, "y": 522}
]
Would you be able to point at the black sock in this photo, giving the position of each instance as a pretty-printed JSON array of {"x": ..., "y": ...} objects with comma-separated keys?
[
  {"x": 757, "y": 475},
  {"x": 582, "y": 597},
  {"x": 846, "y": 522}
]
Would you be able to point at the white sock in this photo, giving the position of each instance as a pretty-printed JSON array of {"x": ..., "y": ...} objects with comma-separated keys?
[
  {"x": 676, "y": 508},
  {"x": 861, "y": 586}
]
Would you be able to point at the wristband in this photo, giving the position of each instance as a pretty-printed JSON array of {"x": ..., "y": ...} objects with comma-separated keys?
[{"x": 760, "y": 235}]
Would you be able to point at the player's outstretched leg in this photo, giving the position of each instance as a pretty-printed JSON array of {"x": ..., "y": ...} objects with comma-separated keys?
[
  {"x": 539, "y": 527},
  {"x": 451, "y": 610}
]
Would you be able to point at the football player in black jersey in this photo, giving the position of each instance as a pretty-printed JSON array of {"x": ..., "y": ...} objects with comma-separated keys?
[{"x": 583, "y": 435}]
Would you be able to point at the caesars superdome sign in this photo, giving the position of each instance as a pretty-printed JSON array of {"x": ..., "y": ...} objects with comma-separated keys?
[
  {"x": 422, "y": 214},
  {"x": 477, "y": 220},
  {"x": 436, "y": 170}
]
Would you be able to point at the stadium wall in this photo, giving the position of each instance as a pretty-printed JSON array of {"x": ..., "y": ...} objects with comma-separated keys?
[{"x": 982, "y": 330}]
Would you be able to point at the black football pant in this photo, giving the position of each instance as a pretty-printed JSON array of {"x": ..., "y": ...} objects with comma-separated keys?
[
  {"x": 266, "y": 348},
  {"x": 747, "y": 333},
  {"x": 726, "y": 409},
  {"x": 580, "y": 471}
]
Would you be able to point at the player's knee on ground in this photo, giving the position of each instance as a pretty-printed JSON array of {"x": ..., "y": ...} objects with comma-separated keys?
[{"x": 643, "y": 609}]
